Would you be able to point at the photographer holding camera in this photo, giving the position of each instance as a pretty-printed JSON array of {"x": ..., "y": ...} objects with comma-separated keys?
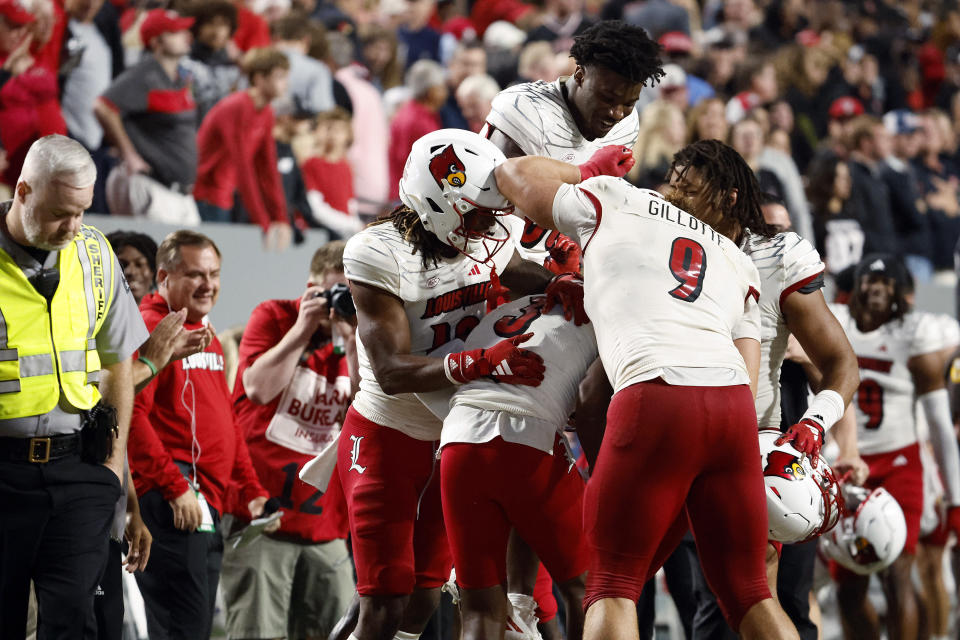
[{"x": 297, "y": 374}]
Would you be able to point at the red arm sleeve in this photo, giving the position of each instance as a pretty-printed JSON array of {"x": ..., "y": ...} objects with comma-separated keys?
[{"x": 149, "y": 459}]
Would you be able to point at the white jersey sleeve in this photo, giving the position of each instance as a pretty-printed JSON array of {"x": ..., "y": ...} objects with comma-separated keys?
[
  {"x": 749, "y": 324},
  {"x": 367, "y": 258},
  {"x": 575, "y": 213},
  {"x": 786, "y": 263},
  {"x": 518, "y": 113},
  {"x": 927, "y": 334}
]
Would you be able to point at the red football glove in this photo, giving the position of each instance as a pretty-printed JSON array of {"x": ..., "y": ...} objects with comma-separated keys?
[
  {"x": 806, "y": 437},
  {"x": 612, "y": 160},
  {"x": 497, "y": 294},
  {"x": 504, "y": 362},
  {"x": 567, "y": 289},
  {"x": 564, "y": 256}
]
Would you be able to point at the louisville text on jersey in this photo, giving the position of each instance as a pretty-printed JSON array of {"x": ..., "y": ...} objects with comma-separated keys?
[{"x": 457, "y": 299}]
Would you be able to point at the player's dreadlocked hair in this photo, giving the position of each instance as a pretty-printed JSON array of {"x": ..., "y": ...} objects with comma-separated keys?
[
  {"x": 620, "y": 47},
  {"x": 408, "y": 223},
  {"x": 724, "y": 170}
]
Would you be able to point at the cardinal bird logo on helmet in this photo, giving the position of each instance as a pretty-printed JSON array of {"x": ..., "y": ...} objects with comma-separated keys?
[
  {"x": 447, "y": 166},
  {"x": 784, "y": 465},
  {"x": 864, "y": 552}
]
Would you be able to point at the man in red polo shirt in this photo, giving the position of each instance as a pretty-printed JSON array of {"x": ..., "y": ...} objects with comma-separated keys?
[{"x": 417, "y": 117}]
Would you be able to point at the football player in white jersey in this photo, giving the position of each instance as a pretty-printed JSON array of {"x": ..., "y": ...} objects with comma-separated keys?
[
  {"x": 900, "y": 362},
  {"x": 573, "y": 117},
  {"x": 511, "y": 437},
  {"x": 570, "y": 119},
  {"x": 791, "y": 301},
  {"x": 673, "y": 301},
  {"x": 420, "y": 279}
]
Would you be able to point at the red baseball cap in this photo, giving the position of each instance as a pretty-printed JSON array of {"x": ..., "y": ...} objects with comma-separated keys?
[
  {"x": 12, "y": 12},
  {"x": 845, "y": 107},
  {"x": 160, "y": 21},
  {"x": 676, "y": 42}
]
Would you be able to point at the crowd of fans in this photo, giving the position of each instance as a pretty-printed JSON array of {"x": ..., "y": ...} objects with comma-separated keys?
[{"x": 306, "y": 110}]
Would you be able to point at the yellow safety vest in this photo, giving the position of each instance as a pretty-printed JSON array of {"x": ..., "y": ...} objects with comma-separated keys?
[{"x": 46, "y": 350}]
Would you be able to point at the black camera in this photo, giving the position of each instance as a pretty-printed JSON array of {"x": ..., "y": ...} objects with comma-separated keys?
[{"x": 340, "y": 300}]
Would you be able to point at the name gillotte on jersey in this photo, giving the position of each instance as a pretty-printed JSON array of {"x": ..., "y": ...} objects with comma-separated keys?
[{"x": 681, "y": 218}]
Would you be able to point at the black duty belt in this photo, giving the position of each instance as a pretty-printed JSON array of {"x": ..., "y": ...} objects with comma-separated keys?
[{"x": 40, "y": 449}]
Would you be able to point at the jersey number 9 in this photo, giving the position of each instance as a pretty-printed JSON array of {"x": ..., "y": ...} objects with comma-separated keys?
[{"x": 688, "y": 264}]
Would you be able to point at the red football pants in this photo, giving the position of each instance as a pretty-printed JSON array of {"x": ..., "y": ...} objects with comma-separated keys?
[{"x": 669, "y": 449}]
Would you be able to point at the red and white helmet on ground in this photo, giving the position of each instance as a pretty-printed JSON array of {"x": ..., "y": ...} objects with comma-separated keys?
[
  {"x": 803, "y": 500},
  {"x": 449, "y": 174},
  {"x": 872, "y": 537}
]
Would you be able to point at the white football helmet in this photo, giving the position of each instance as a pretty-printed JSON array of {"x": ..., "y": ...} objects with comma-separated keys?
[
  {"x": 872, "y": 537},
  {"x": 449, "y": 174},
  {"x": 803, "y": 501}
]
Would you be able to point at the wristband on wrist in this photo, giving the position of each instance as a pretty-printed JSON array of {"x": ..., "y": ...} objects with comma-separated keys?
[
  {"x": 825, "y": 409},
  {"x": 150, "y": 365},
  {"x": 446, "y": 369}
]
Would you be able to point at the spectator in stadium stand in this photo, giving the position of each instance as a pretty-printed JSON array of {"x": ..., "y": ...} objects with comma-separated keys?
[
  {"x": 537, "y": 62},
  {"x": 237, "y": 151},
  {"x": 939, "y": 180},
  {"x": 417, "y": 117},
  {"x": 311, "y": 81},
  {"x": 656, "y": 16},
  {"x": 186, "y": 448},
  {"x": 869, "y": 145},
  {"x": 475, "y": 96},
  {"x": 292, "y": 125},
  {"x": 293, "y": 387},
  {"x": 420, "y": 40},
  {"x": 562, "y": 20},
  {"x": 756, "y": 80},
  {"x": 368, "y": 153},
  {"x": 898, "y": 172},
  {"x": 469, "y": 58},
  {"x": 836, "y": 218},
  {"x": 252, "y": 30},
  {"x": 486, "y": 12},
  {"x": 214, "y": 72},
  {"x": 329, "y": 178},
  {"x": 29, "y": 108},
  {"x": 706, "y": 121},
  {"x": 149, "y": 115},
  {"x": 89, "y": 53},
  {"x": 378, "y": 51}
]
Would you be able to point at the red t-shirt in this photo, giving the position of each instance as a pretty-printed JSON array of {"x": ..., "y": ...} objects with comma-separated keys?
[
  {"x": 333, "y": 179},
  {"x": 309, "y": 515},
  {"x": 411, "y": 122},
  {"x": 236, "y": 152},
  {"x": 161, "y": 427}
]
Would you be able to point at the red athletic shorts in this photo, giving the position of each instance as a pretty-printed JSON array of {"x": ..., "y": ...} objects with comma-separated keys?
[
  {"x": 490, "y": 487},
  {"x": 900, "y": 472},
  {"x": 669, "y": 449},
  {"x": 392, "y": 486}
]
